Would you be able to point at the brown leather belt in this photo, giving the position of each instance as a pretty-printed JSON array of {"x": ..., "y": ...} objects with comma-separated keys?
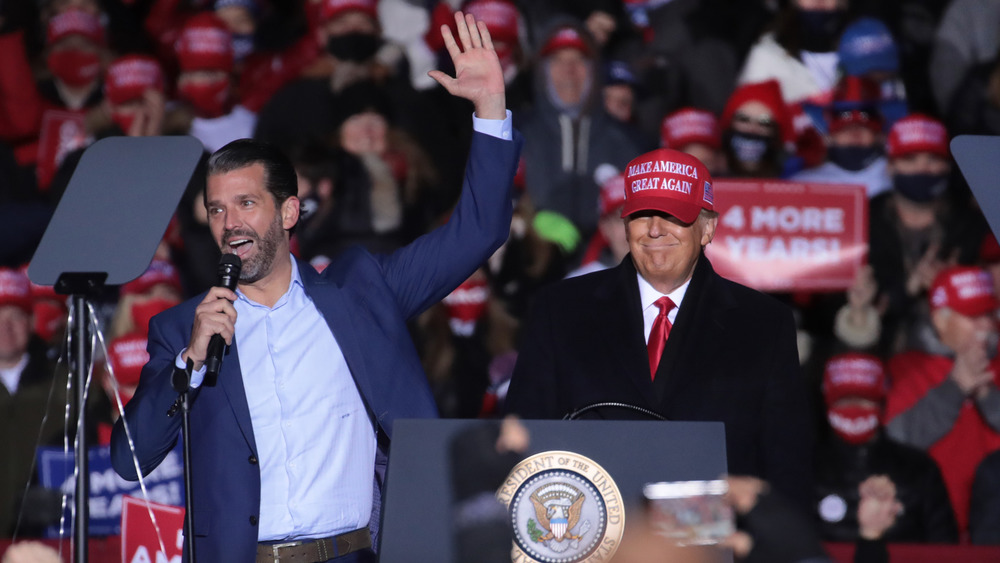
[{"x": 314, "y": 551}]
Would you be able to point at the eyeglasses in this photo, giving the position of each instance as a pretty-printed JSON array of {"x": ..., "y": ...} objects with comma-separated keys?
[
  {"x": 856, "y": 116},
  {"x": 763, "y": 121}
]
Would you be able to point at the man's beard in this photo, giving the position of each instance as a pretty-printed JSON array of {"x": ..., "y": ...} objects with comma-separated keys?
[{"x": 261, "y": 258}]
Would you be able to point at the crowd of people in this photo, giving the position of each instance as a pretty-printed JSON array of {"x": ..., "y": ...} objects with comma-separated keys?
[{"x": 901, "y": 369}]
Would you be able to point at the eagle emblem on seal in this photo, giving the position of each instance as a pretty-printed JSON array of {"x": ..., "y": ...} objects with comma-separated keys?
[{"x": 558, "y": 507}]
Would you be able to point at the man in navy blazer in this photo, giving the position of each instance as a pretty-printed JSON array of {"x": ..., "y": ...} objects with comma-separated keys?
[
  {"x": 288, "y": 451},
  {"x": 729, "y": 353}
]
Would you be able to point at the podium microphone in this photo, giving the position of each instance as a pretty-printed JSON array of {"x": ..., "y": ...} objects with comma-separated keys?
[{"x": 228, "y": 276}]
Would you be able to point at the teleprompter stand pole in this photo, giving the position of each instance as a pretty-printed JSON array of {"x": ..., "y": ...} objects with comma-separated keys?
[{"x": 182, "y": 384}]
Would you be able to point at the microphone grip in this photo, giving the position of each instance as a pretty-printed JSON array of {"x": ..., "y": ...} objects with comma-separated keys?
[{"x": 213, "y": 361}]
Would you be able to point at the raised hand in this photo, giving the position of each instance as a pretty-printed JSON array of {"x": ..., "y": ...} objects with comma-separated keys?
[{"x": 478, "y": 76}]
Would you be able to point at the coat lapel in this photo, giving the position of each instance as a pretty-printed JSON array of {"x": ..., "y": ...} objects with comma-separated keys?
[
  {"x": 631, "y": 345},
  {"x": 231, "y": 381}
]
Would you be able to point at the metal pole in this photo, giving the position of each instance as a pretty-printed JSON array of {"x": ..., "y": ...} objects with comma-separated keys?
[{"x": 82, "y": 496}]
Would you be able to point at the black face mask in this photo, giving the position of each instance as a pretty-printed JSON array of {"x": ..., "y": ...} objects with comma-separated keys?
[
  {"x": 853, "y": 158},
  {"x": 748, "y": 147},
  {"x": 921, "y": 188},
  {"x": 819, "y": 29},
  {"x": 356, "y": 47}
]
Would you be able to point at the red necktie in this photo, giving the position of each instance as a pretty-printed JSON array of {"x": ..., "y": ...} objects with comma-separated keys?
[{"x": 658, "y": 334}]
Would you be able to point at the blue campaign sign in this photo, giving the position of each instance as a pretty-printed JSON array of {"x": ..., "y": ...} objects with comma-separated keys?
[{"x": 165, "y": 485}]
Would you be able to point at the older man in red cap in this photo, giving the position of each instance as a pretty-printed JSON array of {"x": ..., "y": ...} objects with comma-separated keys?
[
  {"x": 663, "y": 332},
  {"x": 949, "y": 404}
]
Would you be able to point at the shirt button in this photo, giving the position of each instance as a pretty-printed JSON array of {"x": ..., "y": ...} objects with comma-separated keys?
[
  {"x": 252, "y": 460},
  {"x": 253, "y": 520}
]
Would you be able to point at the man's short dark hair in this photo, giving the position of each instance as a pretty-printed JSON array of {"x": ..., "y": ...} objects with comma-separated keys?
[{"x": 279, "y": 174}]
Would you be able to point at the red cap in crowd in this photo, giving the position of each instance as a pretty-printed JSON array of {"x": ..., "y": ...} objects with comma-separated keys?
[
  {"x": 143, "y": 311},
  {"x": 669, "y": 181},
  {"x": 989, "y": 250},
  {"x": 612, "y": 194},
  {"x": 500, "y": 17},
  {"x": 854, "y": 374},
  {"x": 566, "y": 38},
  {"x": 467, "y": 304},
  {"x": 690, "y": 125},
  {"x": 767, "y": 93},
  {"x": 127, "y": 355},
  {"x": 330, "y": 9},
  {"x": 15, "y": 289},
  {"x": 918, "y": 133},
  {"x": 855, "y": 102},
  {"x": 159, "y": 271},
  {"x": 130, "y": 76},
  {"x": 205, "y": 43},
  {"x": 967, "y": 290},
  {"x": 75, "y": 22}
]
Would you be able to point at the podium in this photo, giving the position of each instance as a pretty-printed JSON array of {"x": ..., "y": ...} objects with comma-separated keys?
[{"x": 418, "y": 522}]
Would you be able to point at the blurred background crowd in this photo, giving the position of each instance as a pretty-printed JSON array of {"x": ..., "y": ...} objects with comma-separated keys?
[{"x": 902, "y": 365}]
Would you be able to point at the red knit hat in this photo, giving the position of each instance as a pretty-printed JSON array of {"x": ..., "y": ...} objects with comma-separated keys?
[
  {"x": 130, "y": 76},
  {"x": 967, "y": 290},
  {"x": 330, "y": 9},
  {"x": 15, "y": 289},
  {"x": 127, "y": 355},
  {"x": 918, "y": 133},
  {"x": 690, "y": 125},
  {"x": 75, "y": 22},
  {"x": 567, "y": 37},
  {"x": 500, "y": 17},
  {"x": 205, "y": 43},
  {"x": 669, "y": 181},
  {"x": 767, "y": 93},
  {"x": 854, "y": 374}
]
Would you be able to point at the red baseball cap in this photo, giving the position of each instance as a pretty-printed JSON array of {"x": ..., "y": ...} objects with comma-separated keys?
[
  {"x": 330, "y": 9},
  {"x": 127, "y": 355},
  {"x": 612, "y": 194},
  {"x": 159, "y": 271},
  {"x": 205, "y": 43},
  {"x": 690, "y": 125},
  {"x": 15, "y": 289},
  {"x": 967, "y": 290},
  {"x": 669, "y": 181},
  {"x": 918, "y": 133},
  {"x": 75, "y": 22},
  {"x": 130, "y": 76},
  {"x": 854, "y": 374},
  {"x": 500, "y": 17},
  {"x": 566, "y": 38}
]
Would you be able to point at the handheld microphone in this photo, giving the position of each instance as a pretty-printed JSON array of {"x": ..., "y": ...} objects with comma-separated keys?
[{"x": 228, "y": 276}]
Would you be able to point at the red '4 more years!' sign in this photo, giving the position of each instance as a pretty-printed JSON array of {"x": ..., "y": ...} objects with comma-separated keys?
[{"x": 775, "y": 235}]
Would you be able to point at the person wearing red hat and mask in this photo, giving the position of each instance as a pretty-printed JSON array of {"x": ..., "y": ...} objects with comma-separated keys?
[
  {"x": 26, "y": 380},
  {"x": 855, "y": 152},
  {"x": 649, "y": 332},
  {"x": 756, "y": 131},
  {"x": 205, "y": 54},
  {"x": 854, "y": 389},
  {"x": 948, "y": 403},
  {"x": 916, "y": 230}
]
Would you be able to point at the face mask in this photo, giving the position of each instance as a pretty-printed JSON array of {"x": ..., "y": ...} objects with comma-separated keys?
[
  {"x": 210, "y": 99},
  {"x": 855, "y": 424},
  {"x": 853, "y": 158},
  {"x": 819, "y": 29},
  {"x": 355, "y": 47},
  {"x": 921, "y": 188},
  {"x": 308, "y": 206},
  {"x": 75, "y": 68},
  {"x": 242, "y": 46},
  {"x": 749, "y": 148}
]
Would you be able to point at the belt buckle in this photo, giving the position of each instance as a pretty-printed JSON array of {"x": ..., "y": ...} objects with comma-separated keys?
[{"x": 276, "y": 546}]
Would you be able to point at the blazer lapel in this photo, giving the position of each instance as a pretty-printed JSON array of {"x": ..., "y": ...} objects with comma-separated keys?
[
  {"x": 627, "y": 312},
  {"x": 231, "y": 381}
]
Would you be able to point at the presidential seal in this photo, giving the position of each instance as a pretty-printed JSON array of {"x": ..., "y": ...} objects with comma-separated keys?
[{"x": 564, "y": 508}]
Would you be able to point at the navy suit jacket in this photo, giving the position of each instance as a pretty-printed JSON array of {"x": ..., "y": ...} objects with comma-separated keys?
[
  {"x": 366, "y": 300},
  {"x": 730, "y": 357}
]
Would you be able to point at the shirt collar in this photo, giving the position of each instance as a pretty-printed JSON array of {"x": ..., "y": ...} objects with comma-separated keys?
[
  {"x": 294, "y": 283},
  {"x": 648, "y": 294}
]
